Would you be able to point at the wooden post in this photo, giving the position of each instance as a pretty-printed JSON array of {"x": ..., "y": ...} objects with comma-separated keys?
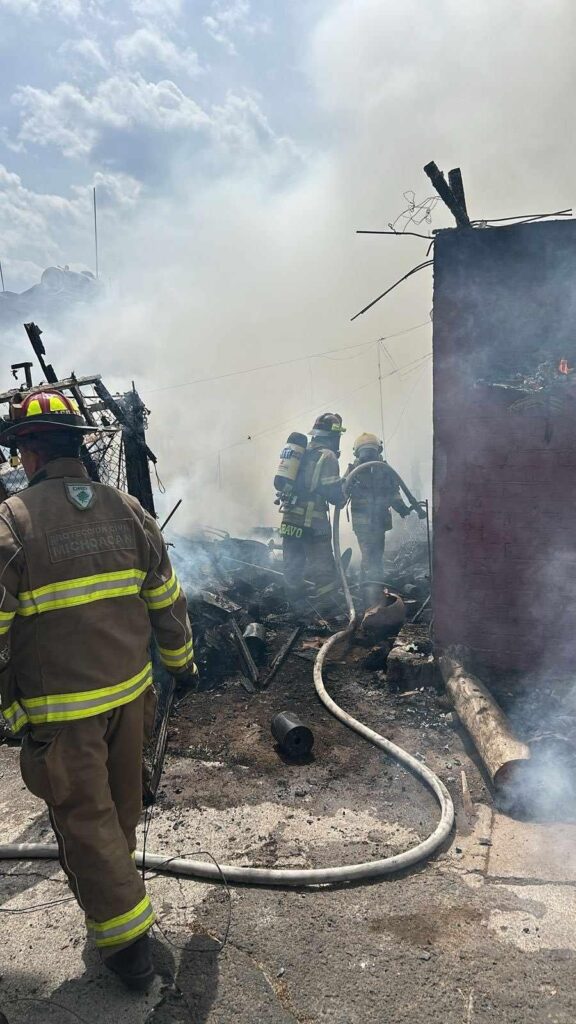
[{"x": 501, "y": 752}]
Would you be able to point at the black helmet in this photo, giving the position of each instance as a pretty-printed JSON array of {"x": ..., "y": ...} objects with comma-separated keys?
[{"x": 329, "y": 424}]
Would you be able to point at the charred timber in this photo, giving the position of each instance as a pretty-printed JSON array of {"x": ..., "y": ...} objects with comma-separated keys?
[
  {"x": 503, "y": 755},
  {"x": 446, "y": 193}
]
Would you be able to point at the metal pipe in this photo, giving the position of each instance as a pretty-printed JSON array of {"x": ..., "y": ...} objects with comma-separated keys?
[{"x": 169, "y": 517}]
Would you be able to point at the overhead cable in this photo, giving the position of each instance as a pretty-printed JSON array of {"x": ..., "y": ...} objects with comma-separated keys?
[{"x": 284, "y": 362}]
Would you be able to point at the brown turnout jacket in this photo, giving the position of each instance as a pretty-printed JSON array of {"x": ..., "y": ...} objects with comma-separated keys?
[{"x": 84, "y": 579}]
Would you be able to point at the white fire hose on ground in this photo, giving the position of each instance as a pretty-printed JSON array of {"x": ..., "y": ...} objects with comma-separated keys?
[{"x": 311, "y": 876}]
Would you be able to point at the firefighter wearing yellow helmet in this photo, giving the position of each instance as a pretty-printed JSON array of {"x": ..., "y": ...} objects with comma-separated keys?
[
  {"x": 85, "y": 580},
  {"x": 373, "y": 493},
  {"x": 305, "y": 530}
]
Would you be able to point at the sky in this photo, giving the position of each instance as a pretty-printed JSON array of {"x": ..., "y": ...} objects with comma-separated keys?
[{"x": 236, "y": 146}]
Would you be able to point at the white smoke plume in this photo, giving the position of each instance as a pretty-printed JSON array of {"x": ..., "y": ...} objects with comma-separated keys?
[{"x": 249, "y": 256}]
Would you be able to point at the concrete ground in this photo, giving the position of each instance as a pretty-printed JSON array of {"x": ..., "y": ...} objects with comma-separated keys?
[{"x": 484, "y": 933}]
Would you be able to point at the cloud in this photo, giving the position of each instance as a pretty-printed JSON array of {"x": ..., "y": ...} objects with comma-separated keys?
[
  {"x": 146, "y": 47},
  {"x": 74, "y": 121},
  {"x": 165, "y": 12},
  {"x": 230, "y": 19},
  {"x": 118, "y": 119},
  {"x": 86, "y": 53},
  {"x": 239, "y": 125},
  {"x": 42, "y": 228},
  {"x": 68, "y": 10}
]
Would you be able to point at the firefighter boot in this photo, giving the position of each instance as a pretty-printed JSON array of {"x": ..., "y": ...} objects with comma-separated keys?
[{"x": 133, "y": 965}]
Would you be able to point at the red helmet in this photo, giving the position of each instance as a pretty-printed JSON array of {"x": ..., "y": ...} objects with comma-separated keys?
[{"x": 42, "y": 411}]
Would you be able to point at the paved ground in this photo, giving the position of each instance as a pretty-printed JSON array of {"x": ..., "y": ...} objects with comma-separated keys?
[{"x": 483, "y": 934}]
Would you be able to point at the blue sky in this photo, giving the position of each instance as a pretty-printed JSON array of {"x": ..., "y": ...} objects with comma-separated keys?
[
  {"x": 126, "y": 95},
  {"x": 236, "y": 146}
]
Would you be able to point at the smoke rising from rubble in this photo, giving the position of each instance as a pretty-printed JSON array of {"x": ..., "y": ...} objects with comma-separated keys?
[{"x": 261, "y": 264}]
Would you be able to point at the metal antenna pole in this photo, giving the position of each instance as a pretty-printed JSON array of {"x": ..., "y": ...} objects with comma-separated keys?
[
  {"x": 95, "y": 232},
  {"x": 2, "y": 277},
  {"x": 380, "y": 395}
]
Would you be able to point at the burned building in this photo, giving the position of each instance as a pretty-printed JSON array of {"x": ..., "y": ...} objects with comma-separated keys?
[{"x": 505, "y": 443}]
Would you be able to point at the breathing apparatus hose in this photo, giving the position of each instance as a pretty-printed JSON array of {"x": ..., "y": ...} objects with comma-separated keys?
[{"x": 295, "y": 876}]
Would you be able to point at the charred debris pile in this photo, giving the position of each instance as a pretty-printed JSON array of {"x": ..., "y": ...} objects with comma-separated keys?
[{"x": 243, "y": 626}]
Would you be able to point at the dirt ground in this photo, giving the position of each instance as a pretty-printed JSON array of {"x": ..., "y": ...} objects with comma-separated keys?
[{"x": 483, "y": 933}]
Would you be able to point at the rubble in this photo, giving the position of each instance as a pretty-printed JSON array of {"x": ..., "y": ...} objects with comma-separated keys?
[{"x": 411, "y": 661}]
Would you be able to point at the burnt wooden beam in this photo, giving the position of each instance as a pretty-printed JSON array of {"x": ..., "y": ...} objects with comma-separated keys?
[{"x": 447, "y": 195}]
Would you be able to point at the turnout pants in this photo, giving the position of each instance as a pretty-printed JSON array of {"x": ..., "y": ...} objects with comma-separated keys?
[
  {"x": 89, "y": 772},
  {"x": 310, "y": 557},
  {"x": 372, "y": 551}
]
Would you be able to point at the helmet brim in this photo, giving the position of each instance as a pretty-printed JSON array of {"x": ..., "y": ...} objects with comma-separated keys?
[{"x": 19, "y": 430}]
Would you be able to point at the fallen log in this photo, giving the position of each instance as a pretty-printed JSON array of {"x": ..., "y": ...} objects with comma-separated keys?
[{"x": 502, "y": 754}]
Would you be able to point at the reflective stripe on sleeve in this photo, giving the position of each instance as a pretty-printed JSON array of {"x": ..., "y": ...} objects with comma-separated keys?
[
  {"x": 6, "y": 621},
  {"x": 15, "y": 717},
  {"x": 179, "y": 658},
  {"x": 66, "y": 707},
  {"x": 164, "y": 595},
  {"x": 122, "y": 929},
  {"x": 84, "y": 590}
]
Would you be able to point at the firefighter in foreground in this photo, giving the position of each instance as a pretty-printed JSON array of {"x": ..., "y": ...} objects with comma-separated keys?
[
  {"x": 85, "y": 577},
  {"x": 308, "y": 481},
  {"x": 373, "y": 493}
]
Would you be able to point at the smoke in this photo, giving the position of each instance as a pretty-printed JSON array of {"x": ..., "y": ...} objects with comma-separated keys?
[{"x": 246, "y": 255}]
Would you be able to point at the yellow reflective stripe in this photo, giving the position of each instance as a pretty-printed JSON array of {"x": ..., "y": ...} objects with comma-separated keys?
[
  {"x": 177, "y": 658},
  {"x": 15, "y": 716},
  {"x": 318, "y": 470},
  {"x": 124, "y": 928},
  {"x": 164, "y": 595},
  {"x": 67, "y": 707},
  {"x": 79, "y": 591},
  {"x": 6, "y": 621}
]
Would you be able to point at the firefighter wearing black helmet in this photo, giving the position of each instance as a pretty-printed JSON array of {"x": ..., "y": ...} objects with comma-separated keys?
[{"x": 305, "y": 529}]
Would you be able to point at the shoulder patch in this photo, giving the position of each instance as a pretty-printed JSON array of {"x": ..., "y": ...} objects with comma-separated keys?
[{"x": 80, "y": 495}]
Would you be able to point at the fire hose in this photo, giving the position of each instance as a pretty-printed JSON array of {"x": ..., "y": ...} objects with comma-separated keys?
[{"x": 310, "y": 876}]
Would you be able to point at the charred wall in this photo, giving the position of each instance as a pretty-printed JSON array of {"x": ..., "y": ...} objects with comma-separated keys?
[{"x": 505, "y": 444}]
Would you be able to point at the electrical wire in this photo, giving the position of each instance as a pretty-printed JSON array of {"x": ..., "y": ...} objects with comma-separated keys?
[
  {"x": 399, "y": 234},
  {"x": 46, "y": 1002},
  {"x": 221, "y": 942},
  {"x": 523, "y": 217},
  {"x": 313, "y": 408},
  {"x": 407, "y": 402},
  {"x": 421, "y": 266},
  {"x": 35, "y": 906},
  {"x": 284, "y": 362}
]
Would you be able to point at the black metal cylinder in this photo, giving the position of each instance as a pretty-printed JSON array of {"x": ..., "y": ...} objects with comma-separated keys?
[
  {"x": 292, "y": 736},
  {"x": 255, "y": 637}
]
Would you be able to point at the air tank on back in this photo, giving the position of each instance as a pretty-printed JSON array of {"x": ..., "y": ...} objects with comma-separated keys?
[{"x": 290, "y": 460}]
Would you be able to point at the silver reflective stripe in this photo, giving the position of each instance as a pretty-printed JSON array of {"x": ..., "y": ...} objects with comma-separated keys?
[
  {"x": 99, "y": 702},
  {"x": 7, "y": 624},
  {"x": 15, "y": 716},
  {"x": 120, "y": 930},
  {"x": 161, "y": 595},
  {"x": 125, "y": 926},
  {"x": 99, "y": 587}
]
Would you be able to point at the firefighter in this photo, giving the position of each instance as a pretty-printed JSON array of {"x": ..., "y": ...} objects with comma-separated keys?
[
  {"x": 85, "y": 578},
  {"x": 372, "y": 494},
  {"x": 305, "y": 529}
]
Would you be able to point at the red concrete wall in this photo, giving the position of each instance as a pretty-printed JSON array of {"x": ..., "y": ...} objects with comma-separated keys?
[{"x": 505, "y": 474}]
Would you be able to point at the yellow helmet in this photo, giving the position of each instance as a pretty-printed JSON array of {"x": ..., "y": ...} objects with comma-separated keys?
[{"x": 367, "y": 441}]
